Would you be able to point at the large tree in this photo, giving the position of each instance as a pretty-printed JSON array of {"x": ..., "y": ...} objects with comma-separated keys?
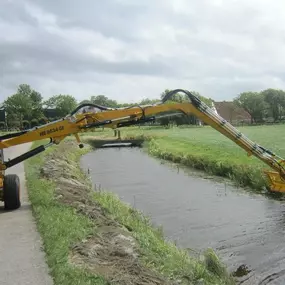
[
  {"x": 253, "y": 103},
  {"x": 103, "y": 100},
  {"x": 276, "y": 101},
  {"x": 178, "y": 97},
  {"x": 25, "y": 103},
  {"x": 181, "y": 97},
  {"x": 148, "y": 101},
  {"x": 63, "y": 104},
  {"x": 84, "y": 102}
]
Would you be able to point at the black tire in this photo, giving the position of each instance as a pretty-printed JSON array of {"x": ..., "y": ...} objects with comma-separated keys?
[{"x": 11, "y": 192}]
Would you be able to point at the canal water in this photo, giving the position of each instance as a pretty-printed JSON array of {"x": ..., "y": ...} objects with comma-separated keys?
[{"x": 198, "y": 212}]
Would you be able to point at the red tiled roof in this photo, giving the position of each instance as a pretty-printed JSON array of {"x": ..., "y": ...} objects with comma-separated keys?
[{"x": 230, "y": 112}]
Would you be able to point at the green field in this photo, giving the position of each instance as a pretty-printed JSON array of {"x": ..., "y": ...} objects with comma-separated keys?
[
  {"x": 209, "y": 142},
  {"x": 206, "y": 149}
]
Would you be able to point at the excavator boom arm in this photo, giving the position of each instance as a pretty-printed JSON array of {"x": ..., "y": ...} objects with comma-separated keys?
[
  {"x": 115, "y": 118},
  {"x": 206, "y": 114}
]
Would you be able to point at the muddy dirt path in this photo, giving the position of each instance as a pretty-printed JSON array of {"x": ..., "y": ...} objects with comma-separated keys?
[{"x": 198, "y": 213}]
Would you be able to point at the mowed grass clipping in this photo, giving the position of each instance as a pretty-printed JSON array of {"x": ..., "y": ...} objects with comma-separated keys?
[
  {"x": 206, "y": 149},
  {"x": 61, "y": 227},
  {"x": 162, "y": 256}
]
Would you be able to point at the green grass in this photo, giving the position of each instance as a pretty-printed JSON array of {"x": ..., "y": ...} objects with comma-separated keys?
[
  {"x": 61, "y": 227},
  {"x": 164, "y": 257},
  {"x": 206, "y": 149}
]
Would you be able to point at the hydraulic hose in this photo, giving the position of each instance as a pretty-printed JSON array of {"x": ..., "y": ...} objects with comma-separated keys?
[
  {"x": 194, "y": 99},
  {"x": 257, "y": 149},
  {"x": 89, "y": 105}
]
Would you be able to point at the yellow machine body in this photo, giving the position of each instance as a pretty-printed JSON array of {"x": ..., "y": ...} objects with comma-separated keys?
[
  {"x": 76, "y": 123},
  {"x": 276, "y": 182}
]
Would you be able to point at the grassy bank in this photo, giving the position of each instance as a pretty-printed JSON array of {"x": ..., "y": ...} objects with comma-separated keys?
[
  {"x": 206, "y": 149},
  {"x": 59, "y": 225},
  {"x": 94, "y": 238}
]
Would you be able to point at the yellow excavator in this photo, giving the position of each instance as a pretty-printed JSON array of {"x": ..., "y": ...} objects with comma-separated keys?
[{"x": 80, "y": 121}]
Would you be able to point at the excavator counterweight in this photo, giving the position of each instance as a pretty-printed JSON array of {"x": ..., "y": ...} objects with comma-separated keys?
[{"x": 87, "y": 116}]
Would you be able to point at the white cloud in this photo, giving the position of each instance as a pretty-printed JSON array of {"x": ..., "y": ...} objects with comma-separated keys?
[{"x": 129, "y": 50}]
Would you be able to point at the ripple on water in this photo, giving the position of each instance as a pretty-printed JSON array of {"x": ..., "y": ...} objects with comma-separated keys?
[{"x": 246, "y": 230}]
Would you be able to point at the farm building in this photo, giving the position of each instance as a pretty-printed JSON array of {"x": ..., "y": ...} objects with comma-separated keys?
[{"x": 233, "y": 114}]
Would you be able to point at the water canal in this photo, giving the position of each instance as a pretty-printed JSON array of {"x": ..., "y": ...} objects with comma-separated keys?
[{"x": 198, "y": 212}]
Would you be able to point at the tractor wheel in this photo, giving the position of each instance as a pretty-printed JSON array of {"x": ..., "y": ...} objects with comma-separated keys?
[{"x": 11, "y": 192}]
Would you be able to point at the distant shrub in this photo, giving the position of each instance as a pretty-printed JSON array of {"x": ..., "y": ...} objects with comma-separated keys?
[
  {"x": 14, "y": 124},
  {"x": 43, "y": 121},
  {"x": 26, "y": 124},
  {"x": 34, "y": 123}
]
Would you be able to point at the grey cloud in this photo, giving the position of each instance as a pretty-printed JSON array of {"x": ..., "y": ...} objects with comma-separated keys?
[
  {"x": 14, "y": 13},
  {"x": 49, "y": 55},
  {"x": 206, "y": 47},
  {"x": 41, "y": 59},
  {"x": 109, "y": 17}
]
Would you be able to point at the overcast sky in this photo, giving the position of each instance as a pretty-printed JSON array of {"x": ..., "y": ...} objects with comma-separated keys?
[{"x": 133, "y": 49}]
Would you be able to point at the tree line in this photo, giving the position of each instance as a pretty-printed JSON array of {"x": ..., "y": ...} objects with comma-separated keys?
[
  {"x": 27, "y": 107},
  {"x": 266, "y": 105}
]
